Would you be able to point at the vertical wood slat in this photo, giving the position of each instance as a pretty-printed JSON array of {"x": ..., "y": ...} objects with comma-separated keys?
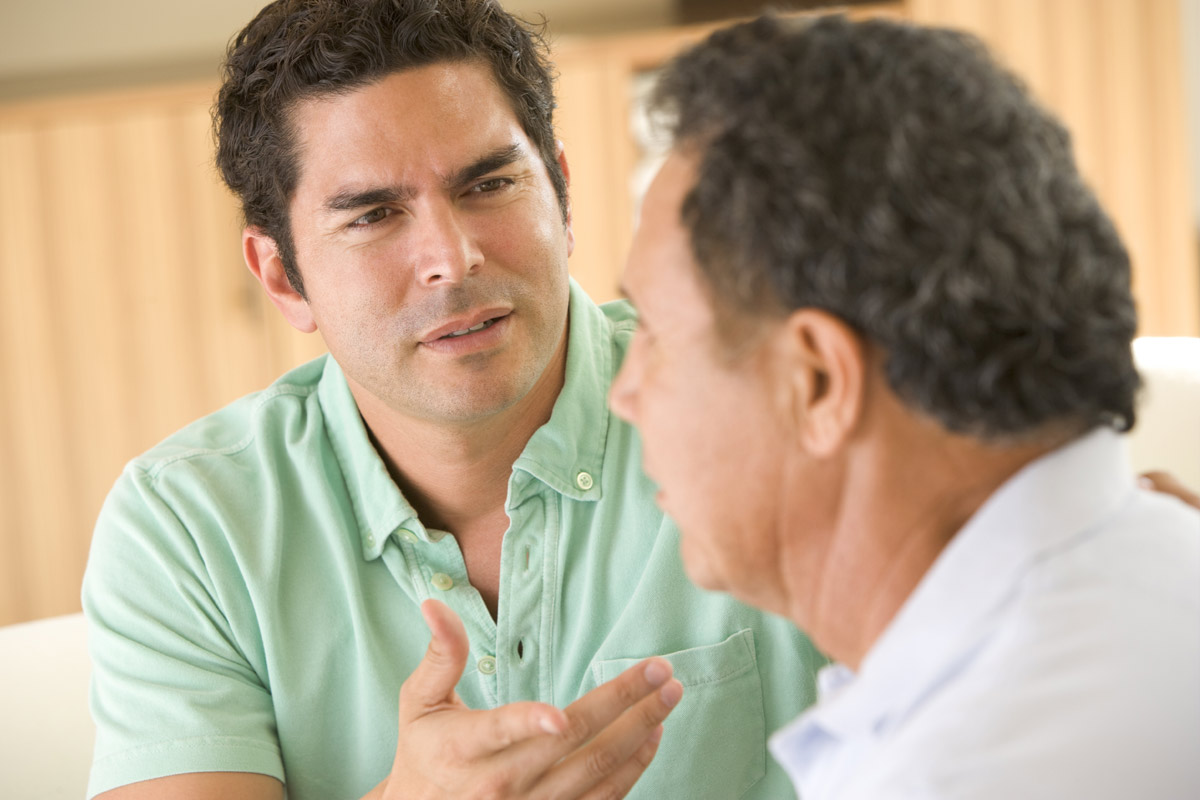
[
  {"x": 1113, "y": 71},
  {"x": 589, "y": 88},
  {"x": 87, "y": 306},
  {"x": 156, "y": 271},
  {"x": 17, "y": 249},
  {"x": 32, "y": 342},
  {"x": 1173, "y": 278}
]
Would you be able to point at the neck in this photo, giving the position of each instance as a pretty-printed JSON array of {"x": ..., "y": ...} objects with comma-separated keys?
[
  {"x": 455, "y": 473},
  {"x": 903, "y": 491}
]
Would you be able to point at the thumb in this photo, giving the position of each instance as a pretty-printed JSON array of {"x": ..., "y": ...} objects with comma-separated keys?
[{"x": 432, "y": 683}]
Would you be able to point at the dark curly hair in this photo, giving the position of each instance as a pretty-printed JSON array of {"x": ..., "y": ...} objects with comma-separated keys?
[
  {"x": 296, "y": 50},
  {"x": 898, "y": 178}
]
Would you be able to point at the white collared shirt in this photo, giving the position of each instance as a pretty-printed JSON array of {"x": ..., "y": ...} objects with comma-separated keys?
[{"x": 1051, "y": 651}]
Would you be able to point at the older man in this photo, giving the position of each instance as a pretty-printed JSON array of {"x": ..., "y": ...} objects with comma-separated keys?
[{"x": 882, "y": 359}]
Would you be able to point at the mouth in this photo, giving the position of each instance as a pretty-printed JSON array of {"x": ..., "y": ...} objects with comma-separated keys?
[
  {"x": 465, "y": 326},
  {"x": 474, "y": 329}
]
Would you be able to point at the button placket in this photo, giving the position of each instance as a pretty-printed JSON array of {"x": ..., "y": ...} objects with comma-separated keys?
[{"x": 534, "y": 522}]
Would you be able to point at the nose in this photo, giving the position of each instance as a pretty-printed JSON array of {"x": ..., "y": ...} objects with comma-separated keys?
[
  {"x": 622, "y": 395},
  {"x": 446, "y": 249}
]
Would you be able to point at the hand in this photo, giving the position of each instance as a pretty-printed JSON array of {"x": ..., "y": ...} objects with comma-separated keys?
[
  {"x": 597, "y": 748},
  {"x": 1167, "y": 484}
]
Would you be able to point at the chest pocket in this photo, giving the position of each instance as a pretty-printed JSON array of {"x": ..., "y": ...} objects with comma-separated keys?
[{"x": 714, "y": 742}]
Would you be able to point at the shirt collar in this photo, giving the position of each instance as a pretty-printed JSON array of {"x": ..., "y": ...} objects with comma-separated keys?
[
  {"x": 560, "y": 454},
  {"x": 1051, "y": 504},
  {"x": 379, "y": 506},
  {"x": 567, "y": 453}
]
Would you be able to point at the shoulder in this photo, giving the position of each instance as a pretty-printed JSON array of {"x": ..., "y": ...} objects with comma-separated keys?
[
  {"x": 219, "y": 471},
  {"x": 1140, "y": 568},
  {"x": 260, "y": 422},
  {"x": 1088, "y": 671}
]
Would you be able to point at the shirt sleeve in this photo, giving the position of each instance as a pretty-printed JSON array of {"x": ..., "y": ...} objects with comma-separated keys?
[{"x": 173, "y": 690}]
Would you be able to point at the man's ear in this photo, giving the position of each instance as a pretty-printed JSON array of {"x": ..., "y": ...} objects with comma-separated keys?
[
  {"x": 822, "y": 378},
  {"x": 262, "y": 259},
  {"x": 561, "y": 151}
]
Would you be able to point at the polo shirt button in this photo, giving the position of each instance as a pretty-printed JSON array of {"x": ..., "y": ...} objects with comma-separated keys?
[
  {"x": 370, "y": 540},
  {"x": 442, "y": 581},
  {"x": 409, "y": 536},
  {"x": 584, "y": 481},
  {"x": 487, "y": 665}
]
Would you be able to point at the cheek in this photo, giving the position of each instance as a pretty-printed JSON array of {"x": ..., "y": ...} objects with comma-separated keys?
[
  {"x": 694, "y": 443},
  {"x": 526, "y": 238}
]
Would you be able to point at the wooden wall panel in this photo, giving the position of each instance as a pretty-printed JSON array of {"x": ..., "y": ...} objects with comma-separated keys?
[
  {"x": 125, "y": 313},
  {"x": 600, "y": 156},
  {"x": 1113, "y": 72},
  {"x": 34, "y": 374},
  {"x": 89, "y": 312}
]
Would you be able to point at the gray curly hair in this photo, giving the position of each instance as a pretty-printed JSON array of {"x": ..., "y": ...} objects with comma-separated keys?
[{"x": 898, "y": 178}]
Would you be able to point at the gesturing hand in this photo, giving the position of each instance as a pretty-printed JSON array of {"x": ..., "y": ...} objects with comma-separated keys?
[{"x": 597, "y": 748}]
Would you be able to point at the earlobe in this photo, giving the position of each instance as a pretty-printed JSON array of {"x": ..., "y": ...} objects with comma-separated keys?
[
  {"x": 263, "y": 261},
  {"x": 824, "y": 378}
]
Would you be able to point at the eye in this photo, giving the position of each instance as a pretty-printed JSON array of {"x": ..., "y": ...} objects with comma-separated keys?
[
  {"x": 492, "y": 185},
  {"x": 371, "y": 217}
]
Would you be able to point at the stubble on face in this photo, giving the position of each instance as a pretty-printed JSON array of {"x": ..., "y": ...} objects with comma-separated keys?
[
  {"x": 478, "y": 384},
  {"x": 412, "y": 130}
]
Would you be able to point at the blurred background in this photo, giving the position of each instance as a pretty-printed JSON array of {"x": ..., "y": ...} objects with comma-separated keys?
[{"x": 125, "y": 311}]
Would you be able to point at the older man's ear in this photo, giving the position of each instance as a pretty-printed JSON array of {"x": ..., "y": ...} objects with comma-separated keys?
[{"x": 821, "y": 377}]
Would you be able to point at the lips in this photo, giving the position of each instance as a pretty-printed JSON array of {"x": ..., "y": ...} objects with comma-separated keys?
[{"x": 460, "y": 326}]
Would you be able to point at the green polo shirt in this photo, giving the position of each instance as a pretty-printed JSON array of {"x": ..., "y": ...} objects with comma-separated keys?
[{"x": 253, "y": 588}]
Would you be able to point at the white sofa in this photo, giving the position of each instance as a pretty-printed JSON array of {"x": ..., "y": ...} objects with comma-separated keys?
[
  {"x": 46, "y": 735},
  {"x": 1167, "y": 435}
]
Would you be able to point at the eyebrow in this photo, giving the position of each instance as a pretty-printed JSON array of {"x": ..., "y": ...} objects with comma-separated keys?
[
  {"x": 349, "y": 200},
  {"x": 500, "y": 157}
]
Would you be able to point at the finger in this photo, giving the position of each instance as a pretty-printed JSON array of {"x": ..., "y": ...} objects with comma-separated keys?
[
  {"x": 1167, "y": 484},
  {"x": 431, "y": 684},
  {"x": 598, "y": 708},
  {"x": 601, "y": 759},
  {"x": 486, "y": 733},
  {"x": 584, "y": 718},
  {"x": 622, "y": 780}
]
